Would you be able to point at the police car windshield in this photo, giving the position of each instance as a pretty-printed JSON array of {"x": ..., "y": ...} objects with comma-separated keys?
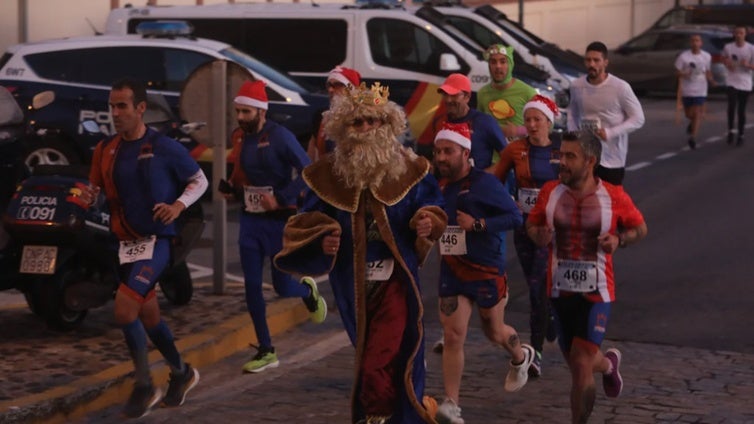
[{"x": 265, "y": 71}]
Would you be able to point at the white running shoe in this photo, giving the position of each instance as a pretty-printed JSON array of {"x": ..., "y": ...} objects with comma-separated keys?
[
  {"x": 449, "y": 413},
  {"x": 518, "y": 375}
]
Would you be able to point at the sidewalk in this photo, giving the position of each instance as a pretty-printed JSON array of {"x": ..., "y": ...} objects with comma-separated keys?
[{"x": 52, "y": 377}]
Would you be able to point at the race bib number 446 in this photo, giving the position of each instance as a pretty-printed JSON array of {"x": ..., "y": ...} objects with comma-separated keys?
[
  {"x": 136, "y": 250},
  {"x": 576, "y": 276},
  {"x": 453, "y": 241}
]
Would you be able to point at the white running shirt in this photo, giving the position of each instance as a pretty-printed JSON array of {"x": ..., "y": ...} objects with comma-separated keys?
[{"x": 694, "y": 85}]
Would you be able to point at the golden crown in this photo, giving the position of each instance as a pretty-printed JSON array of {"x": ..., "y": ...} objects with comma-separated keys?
[{"x": 377, "y": 95}]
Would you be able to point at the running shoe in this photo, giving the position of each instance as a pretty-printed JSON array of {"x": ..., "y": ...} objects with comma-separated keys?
[
  {"x": 179, "y": 385},
  {"x": 518, "y": 374},
  {"x": 692, "y": 143},
  {"x": 315, "y": 303},
  {"x": 141, "y": 401},
  {"x": 613, "y": 382},
  {"x": 439, "y": 345},
  {"x": 535, "y": 369},
  {"x": 265, "y": 358},
  {"x": 449, "y": 413}
]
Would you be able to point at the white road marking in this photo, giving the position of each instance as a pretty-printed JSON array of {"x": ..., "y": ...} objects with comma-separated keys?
[
  {"x": 637, "y": 166},
  {"x": 666, "y": 155}
]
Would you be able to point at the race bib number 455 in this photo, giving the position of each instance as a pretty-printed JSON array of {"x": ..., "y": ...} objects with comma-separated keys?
[
  {"x": 576, "y": 276},
  {"x": 136, "y": 250}
]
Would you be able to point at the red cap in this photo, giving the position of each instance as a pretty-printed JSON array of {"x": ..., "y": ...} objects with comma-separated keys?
[{"x": 455, "y": 83}]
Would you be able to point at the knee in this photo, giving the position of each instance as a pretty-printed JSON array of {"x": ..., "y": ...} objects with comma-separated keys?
[{"x": 454, "y": 337}]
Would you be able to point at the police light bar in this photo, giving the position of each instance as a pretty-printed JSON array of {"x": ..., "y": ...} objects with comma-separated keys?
[{"x": 164, "y": 28}]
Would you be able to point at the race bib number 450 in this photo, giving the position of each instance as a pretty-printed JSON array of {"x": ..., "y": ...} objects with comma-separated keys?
[
  {"x": 576, "y": 276},
  {"x": 136, "y": 250},
  {"x": 252, "y": 197},
  {"x": 453, "y": 241}
]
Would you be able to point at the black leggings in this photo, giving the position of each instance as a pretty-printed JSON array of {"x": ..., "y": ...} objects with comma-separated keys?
[{"x": 737, "y": 97}]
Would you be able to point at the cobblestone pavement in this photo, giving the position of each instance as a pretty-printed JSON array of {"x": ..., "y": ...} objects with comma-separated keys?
[
  {"x": 34, "y": 359},
  {"x": 664, "y": 384}
]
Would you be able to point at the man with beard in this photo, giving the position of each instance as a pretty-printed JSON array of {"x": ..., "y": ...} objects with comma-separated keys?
[
  {"x": 479, "y": 209},
  {"x": 486, "y": 136},
  {"x": 372, "y": 214},
  {"x": 264, "y": 160},
  {"x": 148, "y": 180},
  {"x": 504, "y": 98},
  {"x": 580, "y": 279},
  {"x": 606, "y": 105}
]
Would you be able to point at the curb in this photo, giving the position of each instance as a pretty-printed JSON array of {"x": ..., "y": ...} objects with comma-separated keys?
[{"x": 113, "y": 385}]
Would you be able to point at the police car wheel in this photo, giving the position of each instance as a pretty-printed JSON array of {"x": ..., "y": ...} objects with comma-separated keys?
[
  {"x": 176, "y": 284},
  {"x": 49, "y": 152}
]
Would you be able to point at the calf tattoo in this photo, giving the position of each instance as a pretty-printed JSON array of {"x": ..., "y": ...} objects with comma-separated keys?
[
  {"x": 513, "y": 340},
  {"x": 448, "y": 305}
]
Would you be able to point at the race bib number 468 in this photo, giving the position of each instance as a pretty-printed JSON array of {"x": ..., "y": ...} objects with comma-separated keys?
[{"x": 576, "y": 276}]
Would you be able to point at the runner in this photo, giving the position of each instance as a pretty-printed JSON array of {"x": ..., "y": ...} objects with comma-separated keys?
[{"x": 694, "y": 73}]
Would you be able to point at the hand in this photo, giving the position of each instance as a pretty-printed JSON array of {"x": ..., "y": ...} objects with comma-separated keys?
[
  {"x": 601, "y": 133},
  {"x": 465, "y": 221},
  {"x": 89, "y": 194},
  {"x": 510, "y": 130},
  {"x": 269, "y": 202},
  {"x": 608, "y": 242},
  {"x": 424, "y": 225},
  {"x": 167, "y": 213},
  {"x": 331, "y": 243},
  {"x": 540, "y": 235}
]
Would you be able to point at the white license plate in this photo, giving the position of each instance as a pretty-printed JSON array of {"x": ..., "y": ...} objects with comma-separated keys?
[{"x": 38, "y": 260}]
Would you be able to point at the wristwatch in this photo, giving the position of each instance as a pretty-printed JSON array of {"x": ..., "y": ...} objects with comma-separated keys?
[{"x": 477, "y": 226}]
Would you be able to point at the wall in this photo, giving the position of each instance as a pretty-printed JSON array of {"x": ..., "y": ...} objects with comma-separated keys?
[{"x": 571, "y": 24}]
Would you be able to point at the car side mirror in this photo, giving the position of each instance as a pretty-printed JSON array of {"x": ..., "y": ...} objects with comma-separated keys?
[{"x": 449, "y": 62}]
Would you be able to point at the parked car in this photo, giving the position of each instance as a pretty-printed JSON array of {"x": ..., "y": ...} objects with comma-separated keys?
[
  {"x": 647, "y": 62},
  {"x": 705, "y": 14},
  {"x": 81, "y": 70},
  {"x": 382, "y": 40}
]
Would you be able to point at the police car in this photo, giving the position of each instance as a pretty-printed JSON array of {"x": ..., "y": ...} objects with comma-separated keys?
[{"x": 81, "y": 70}]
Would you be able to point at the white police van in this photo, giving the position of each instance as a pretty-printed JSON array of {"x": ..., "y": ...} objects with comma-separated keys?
[
  {"x": 80, "y": 71},
  {"x": 384, "y": 43},
  {"x": 487, "y": 25}
]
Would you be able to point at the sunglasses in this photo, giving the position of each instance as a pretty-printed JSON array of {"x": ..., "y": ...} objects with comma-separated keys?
[{"x": 357, "y": 122}]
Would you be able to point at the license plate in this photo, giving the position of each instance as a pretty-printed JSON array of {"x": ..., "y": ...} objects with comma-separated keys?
[{"x": 38, "y": 260}]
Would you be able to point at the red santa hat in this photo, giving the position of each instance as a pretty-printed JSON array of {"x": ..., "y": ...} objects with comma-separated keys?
[
  {"x": 345, "y": 76},
  {"x": 457, "y": 133},
  {"x": 252, "y": 93},
  {"x": 544, "y": 105}
]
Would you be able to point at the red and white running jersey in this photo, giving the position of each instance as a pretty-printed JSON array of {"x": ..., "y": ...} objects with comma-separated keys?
[{"x": 577, "y": 223}]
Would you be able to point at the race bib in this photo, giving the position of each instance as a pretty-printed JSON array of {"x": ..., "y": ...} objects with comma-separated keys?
[
  {"x": 527, "y": 198},
  {"x": 576, "y": 276},
  {"x": 590, "y": 124},
  {"x": 252, "y": 198},
  {"x": 136, "y": 250},
  {"x": 380, "y": 270},
  {"x": 453, "y": 241}
]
